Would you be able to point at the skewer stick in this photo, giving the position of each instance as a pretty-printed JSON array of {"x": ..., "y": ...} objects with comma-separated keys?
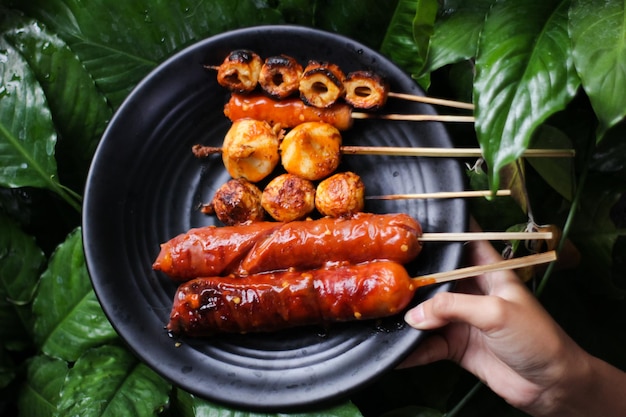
[
  {"x": 431, "y": 100},
  {"x": 473, "y": 271},
  {"x": 447, "y": 152},
  {"x": 471, "y": 236},
  {"x": 415, "y": 117},
  {"x": 442, "y": 194},
  {"x": 202, "y": 151}
]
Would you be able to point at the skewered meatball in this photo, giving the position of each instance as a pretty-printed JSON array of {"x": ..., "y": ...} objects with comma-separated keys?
[
  {"x": 321, "y": 84},
  {"x": 366, "y": 90},
  {"x": 240, "y": 71},
  {"x": 280, "y": 76},
  {"x": 237, "y": 201},
  {"x": 250, "y": 150},
  {"x": 311, "y": 150},
  {"x": 342, "y": 194},
  {"x": 288, "y": 197}
]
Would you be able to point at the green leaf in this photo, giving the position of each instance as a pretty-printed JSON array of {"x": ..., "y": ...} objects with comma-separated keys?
[
  {"x": 40, "y": 393},
  {"x": 353, "y": 18},
  {"x": 7, "y": 368},
  {"x": 188, "y": 405},
  {"x": 598, "y": 34},
  {"x": 524, "y": 74},
  {"x": 557, "y": 172},
  {"x": 68, "y": 317},
  {"x": 21, "y": 262},
  {"x": 456, "y": 32},
  {"x": 414, "y": 411},
  {"x": 120, "y": 42},
  {"x": 109, "y": 382},
  {"x": 79, "y": 111},
  {"x": 27, "y": 135},
  {"x": 408, "y": 36}
]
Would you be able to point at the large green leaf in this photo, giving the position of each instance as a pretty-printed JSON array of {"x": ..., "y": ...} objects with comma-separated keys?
[
  {"x": 40, "y": 393},
  {"x": 524, "y": 74},
  {"x": 27, "y": 135},
  {"x": 120, "y": 42},
  {"x": 408, "y": 36},
  {"x": 68, "y": 317},
  {"x": 79, "y": 111},
  {"x": 21, "y": 262},
  {"x": 598, "y": 35},
  {"x": 456, "y": 32},
  {"x": 110, "y": 382},
  {"x": 189, "y": 405}
]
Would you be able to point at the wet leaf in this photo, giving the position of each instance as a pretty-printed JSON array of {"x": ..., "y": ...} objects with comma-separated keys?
[
  {"x": 456, "y": 32},
  {"x": 68, "y": 317},
  {"x": 40, "y": 394},
  {"x": 524, "y": 74},
  {"x": 598, "y": 34},
  {"x": 21, "y": 262},
  {"x": 80, "y": 112},
  {"x": 109, "y": 382},
  {"x": 120, "y": 42}
]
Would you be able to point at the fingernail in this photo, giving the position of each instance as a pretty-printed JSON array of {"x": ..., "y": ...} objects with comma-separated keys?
[{"x": 415, "y": 316}]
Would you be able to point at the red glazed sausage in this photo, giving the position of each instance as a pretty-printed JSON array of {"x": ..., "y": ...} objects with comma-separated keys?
[
  {"x": 287, "y": 113},
  {"x": 211, "y": 250},
  {"x": 312, "y": 244},
  {"x": 275, "y": 301}
]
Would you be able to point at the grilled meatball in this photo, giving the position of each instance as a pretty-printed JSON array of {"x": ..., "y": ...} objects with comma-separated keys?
[
  {"x": 238, "y": 201},
  {"x": 340, "y": 195},
  {"x": 311, "y": 150},
  {"x": 288, "y": 197},
  {"x": 250, "y": 150}
]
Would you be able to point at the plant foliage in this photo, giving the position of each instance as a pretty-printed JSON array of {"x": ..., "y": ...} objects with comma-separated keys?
[{"x": 541, "y": 73}]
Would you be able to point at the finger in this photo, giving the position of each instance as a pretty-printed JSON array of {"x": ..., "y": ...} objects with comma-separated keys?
[{"x": 483, "y": 312}]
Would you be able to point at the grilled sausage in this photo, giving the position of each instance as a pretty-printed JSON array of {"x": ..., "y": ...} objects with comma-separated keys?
[
  {"x": 287, "y": 113},
  {"x": 300, "y": 245},
  {"x": 311, "y": 244},
  {"x": 209, "y": 250},
  {"x": 275, "y": 301}
]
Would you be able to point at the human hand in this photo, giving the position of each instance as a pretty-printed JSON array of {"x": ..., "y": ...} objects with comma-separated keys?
[{"x": 495, "y": 328}]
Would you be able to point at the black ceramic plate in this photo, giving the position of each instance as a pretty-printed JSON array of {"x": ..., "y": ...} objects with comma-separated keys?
[{"x": 145, "y": 187}]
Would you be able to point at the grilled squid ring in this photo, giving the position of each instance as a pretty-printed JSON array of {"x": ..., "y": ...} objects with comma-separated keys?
[
  {"x": 366, "y": 90},
  {"x": 280, "y": 76},
  {"x": 321, "y": 84},
  {"x": 240, "y": 71}
]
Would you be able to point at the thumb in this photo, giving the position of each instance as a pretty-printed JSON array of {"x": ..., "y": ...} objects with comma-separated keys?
[{"x": 478, "y": 311}]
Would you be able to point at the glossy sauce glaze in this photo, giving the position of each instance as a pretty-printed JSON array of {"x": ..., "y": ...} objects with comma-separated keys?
[
  {"x": 312, "y": 244},
  {"x": 287, "y": 113},
  {"x": 279, "y": 300}
]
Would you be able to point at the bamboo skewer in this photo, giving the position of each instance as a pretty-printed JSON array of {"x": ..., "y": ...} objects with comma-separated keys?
[
  {"x": 446, "y": 152},
  {"x": 201, "y": 151},
  {"x": 442, "y": 195},
  {"x": 431, "y": 100},
  {"x": 473, "y": 236},
  {"x": 415, "y": 117},
  {"x": 473, "y": 271}
]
